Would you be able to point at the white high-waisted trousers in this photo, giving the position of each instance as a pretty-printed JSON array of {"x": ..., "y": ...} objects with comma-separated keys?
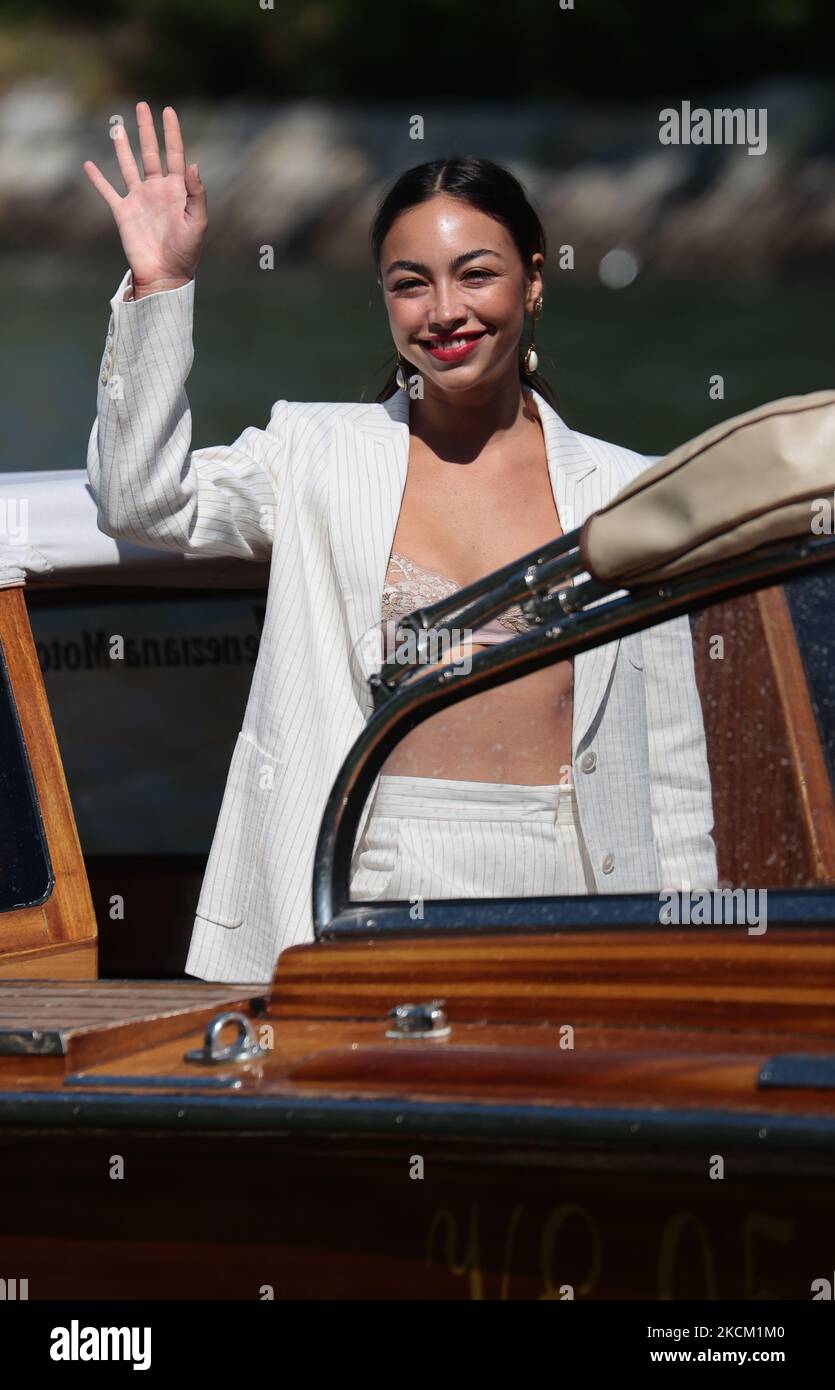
[{"x": 435, "y": 838}]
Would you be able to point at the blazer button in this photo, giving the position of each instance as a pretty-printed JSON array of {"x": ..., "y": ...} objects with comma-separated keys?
[
  {"x": 104, "y": 377},
  {"x": 588, "y": 762},
  {"x": 607, "y": 863}
]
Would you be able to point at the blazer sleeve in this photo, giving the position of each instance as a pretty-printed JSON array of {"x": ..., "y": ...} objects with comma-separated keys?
[
  {"x": 150, "y": 487},
  {"x": 680, "y": 790}
]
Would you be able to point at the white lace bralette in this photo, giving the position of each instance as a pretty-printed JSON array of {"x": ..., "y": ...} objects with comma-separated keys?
[{"x": 409, "y": 585}]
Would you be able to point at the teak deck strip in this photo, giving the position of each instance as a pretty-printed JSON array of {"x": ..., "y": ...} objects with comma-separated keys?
[{"x": 94, "y": 1021}]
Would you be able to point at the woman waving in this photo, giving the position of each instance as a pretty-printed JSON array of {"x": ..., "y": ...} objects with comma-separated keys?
[{"x": 588, "y": 776}]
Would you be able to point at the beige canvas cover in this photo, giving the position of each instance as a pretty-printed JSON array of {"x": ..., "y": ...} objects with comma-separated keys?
[{"x": 743, "y": 483}]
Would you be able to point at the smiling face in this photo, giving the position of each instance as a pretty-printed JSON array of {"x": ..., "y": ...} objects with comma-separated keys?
[{"x": 456, "y": 293}]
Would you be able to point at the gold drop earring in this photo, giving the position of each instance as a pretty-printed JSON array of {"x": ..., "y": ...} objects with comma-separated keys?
[
  {"x": 532, "y": 356},
  {"x": 400, "y": 375}
]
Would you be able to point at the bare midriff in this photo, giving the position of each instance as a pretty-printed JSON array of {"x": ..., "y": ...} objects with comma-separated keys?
[
  {"x": 464, "y": 526},
  {"x": 518, "y": 733}
]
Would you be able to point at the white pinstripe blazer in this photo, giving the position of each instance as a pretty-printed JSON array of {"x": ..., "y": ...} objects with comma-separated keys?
[{"x": 324, "y": 482}]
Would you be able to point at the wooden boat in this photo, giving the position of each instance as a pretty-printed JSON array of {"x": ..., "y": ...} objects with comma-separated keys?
[{"x": 546, "y": 1098}]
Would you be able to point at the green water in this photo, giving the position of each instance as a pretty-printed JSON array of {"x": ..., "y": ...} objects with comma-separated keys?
[{"x": 630, "y": 365}]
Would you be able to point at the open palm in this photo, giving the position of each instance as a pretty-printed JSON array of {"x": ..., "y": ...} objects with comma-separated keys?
[{"x": 162, "y": 218}]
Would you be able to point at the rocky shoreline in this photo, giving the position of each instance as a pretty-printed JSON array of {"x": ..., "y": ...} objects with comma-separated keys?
[{"x": 304, "y": 178}]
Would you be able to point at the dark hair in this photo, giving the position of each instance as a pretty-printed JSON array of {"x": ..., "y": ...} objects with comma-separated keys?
[{"x": 484, "y": 185}]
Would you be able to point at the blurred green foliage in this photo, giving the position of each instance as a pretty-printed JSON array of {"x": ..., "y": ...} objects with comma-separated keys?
[{"x": 451, "y": 49}]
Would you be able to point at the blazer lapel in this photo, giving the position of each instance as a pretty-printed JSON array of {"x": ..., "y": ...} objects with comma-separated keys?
[
  {"x": 581, "y": 484},
  {"x": 366, "y": 488}
]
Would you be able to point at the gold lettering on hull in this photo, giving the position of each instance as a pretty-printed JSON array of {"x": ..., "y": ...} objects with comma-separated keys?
[
  {"x": 458, "y": 1251},
  {"x": 443, "y": 1229}
]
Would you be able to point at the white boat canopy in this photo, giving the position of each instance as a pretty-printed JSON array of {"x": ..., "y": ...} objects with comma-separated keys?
[{"x": 50, "y": 538}]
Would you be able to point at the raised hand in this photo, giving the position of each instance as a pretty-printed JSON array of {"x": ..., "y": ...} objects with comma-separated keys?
[{"x": 162, "y": 218}]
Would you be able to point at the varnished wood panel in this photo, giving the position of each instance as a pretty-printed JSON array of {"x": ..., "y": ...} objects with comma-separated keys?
[
  {"x": 76, "y": 962},
  {"x": 680, "y": 1021},
  {"x": 812, "y": 793},
  {"x": 67, "y": 915},
  {"x": 706, "y": 977},
  {"x": 772, "y": 794}
]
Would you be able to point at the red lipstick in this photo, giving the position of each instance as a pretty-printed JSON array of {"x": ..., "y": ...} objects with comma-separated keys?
[{"x": 454, "y": 348}]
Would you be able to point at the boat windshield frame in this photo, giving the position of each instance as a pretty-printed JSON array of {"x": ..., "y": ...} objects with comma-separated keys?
[{"x": 399, "y": 710}]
